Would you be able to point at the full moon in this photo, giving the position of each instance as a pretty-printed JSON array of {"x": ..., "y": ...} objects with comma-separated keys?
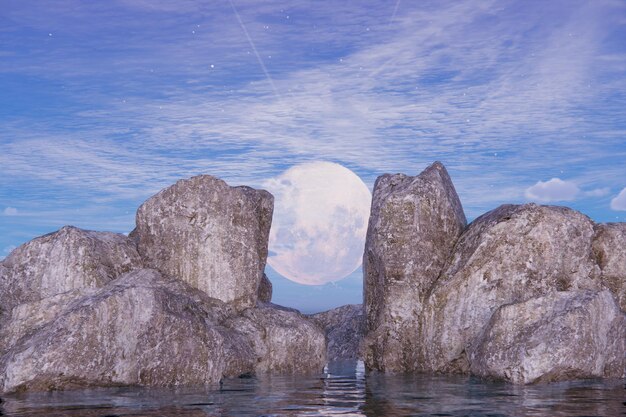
[{"x": 321, "y": 210}]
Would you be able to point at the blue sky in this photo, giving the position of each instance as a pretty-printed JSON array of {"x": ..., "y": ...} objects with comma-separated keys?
[{"x": 104, "y": 103}]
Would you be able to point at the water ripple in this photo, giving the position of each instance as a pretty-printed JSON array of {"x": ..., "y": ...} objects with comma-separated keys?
[{"x": 342, "y": 390}]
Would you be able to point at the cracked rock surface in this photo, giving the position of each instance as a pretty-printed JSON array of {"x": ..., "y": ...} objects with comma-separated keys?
[
  {"x": 560, "y": 336},
  {"x": 345, "y": 328},
  {"x": 508, "y": 255},
  {"x": 526, "y": 294},
  {"x": 609, "y": 245},
  {"x": 283, "y": 340}
]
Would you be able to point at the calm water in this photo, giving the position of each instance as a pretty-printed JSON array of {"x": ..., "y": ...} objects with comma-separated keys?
[{"x": 343, "y": 391}]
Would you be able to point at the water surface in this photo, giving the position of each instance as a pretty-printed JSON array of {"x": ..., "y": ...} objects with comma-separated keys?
[{"x": 342, "y": 391}]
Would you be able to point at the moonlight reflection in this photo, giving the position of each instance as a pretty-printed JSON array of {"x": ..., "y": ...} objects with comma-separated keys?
[{"x": 320, "y": 219}]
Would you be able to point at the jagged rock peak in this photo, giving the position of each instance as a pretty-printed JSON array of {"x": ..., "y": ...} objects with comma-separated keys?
[{"x": 414, "y": 224}]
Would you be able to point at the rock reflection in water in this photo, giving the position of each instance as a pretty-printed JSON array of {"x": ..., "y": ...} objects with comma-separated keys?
[
  {"x": 342, "y": 390},
  {"x": 423, "y": 395}
]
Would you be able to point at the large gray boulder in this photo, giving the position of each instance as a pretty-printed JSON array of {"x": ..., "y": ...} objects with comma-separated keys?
[
  {"x": 345, "y": 329},
  {"x": 208, "y": 234},
  {"x": 508, "y": 255},
  {"x": 413, "y": 226},
  {"x": 284, "y": 341},
  {"x": 142, "y": 329},
  {"x": 66, "y": 260},
  {"x": 609, "y": 246},
  {"x": 559, "y": 336},
  {"x": 147, "y": 329}
]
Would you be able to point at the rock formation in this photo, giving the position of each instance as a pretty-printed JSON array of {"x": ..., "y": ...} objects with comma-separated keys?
[
  {"x": 525, "y": 293},
  {"x": 66, "y": 260},
  {"x": 609, "y": 246},
  {"x": 345, "y": 328},
  {"x": 506, "y": 256},
  {"x": 208, "y": 234},
  {"x": 414, "y": 224},
  {"x": 73, "y": 316},
  {"x": 558, "y": 336}
]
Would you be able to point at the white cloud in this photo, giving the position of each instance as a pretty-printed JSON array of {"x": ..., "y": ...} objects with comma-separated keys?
[
  {"x": 10, "y": 211},
  {"x": 619, "y": 202},
  {"x": 554, "y": 190}
]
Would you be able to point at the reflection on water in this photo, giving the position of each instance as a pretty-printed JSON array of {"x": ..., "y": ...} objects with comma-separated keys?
[{"x": 342, "y": 390}]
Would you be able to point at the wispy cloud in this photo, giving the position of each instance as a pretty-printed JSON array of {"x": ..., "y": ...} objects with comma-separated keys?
[
  {"x": 598, "y": 192},
  {"x": 377, "y": 86},
  {"x": 10, "y": 211}
]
